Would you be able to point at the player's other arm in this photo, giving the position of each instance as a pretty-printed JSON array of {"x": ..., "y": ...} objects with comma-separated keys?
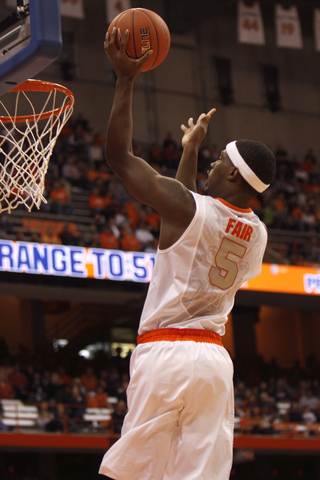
[
  {"x": 170, "y": 198},
  {"x": 191, "y": 140}
]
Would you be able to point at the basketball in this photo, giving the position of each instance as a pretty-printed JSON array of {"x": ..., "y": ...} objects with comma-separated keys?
[{"x": 148, "y": 31}]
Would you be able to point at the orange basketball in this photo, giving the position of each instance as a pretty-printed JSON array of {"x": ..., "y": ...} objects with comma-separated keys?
[{"x": 147, "y": 32}]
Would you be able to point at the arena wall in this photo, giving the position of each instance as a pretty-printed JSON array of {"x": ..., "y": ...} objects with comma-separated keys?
[{"x": 186, "y": 84}]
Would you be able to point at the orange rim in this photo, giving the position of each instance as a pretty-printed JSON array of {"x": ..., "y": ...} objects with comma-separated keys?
[{"x": 34, "y": 85}]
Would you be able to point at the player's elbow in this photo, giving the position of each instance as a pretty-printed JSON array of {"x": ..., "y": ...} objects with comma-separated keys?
[
  {"x": 116, "y": 159},
  {"x": 108, "y": 156},
  {"x": 111, "y": 155}
]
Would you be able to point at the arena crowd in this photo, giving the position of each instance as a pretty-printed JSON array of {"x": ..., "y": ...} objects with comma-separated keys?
[
  {"x": 64, "y": 386},
  {"x": 78, "y": 168}
]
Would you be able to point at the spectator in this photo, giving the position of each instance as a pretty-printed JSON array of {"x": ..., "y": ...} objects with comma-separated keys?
[
  {"x": 34, "y": 378},
  {"x": 308, "y": 416},
  {"x": 102, "y": 173},
  {"x": 114, "y": 383},
  {"x": 281, "y": 391},
  {"x": 114, "y": 227},
  {"x": 121, "y": 219},
  {"x": 19, "y": 382},
  {"x": 44, "y": 416},
  {"x": 83, "y": 181},
  {"x": 294, "y": 414},
  {"x": 152, "y": 247},
  {"x": 35, "y": 237},
  {"x": 77, "y": 403},
  {"x": 69, "y": 235},
  {"x": 308, "y": 218},
  {"x": 205, "y": 159},
  {"x": 90, "y": 237},
  {"x": 309, "y": 162},
  {"x": 89, "y": 380},
  {"x": 96, "y": 151},
  {"x": 111, "y": 206},
  {"x": 153, "y": 219},
  {"x": 170, "y": 151},
  {"x": 6, "y": 389},
  {"x": 77, "y": 140},
  {"x": 60, "y": 199},
  {"x": 60, "y": 422},
  {"x": 269, "y": 214},
  {"x": 37, "y": 395},
  {"x": 96, "y": 201},
  {"x": 129, "y": 241},
  {"x": 171, "y": 156},
  {"x": 50, "y": 236},
  {"x": 64, "y": 377},
  {"x": 256, "y": 206},
  {"x": 107, "y": 239},
  {"x": 116, "y": 188},
  {"x": 308, "y": 400},
  {"x": 122, "y": 388},
  {"x": 265, "y": 401},
  {"x": 118, "y": 415},
  {"x": 22, "y": 236},
  {"x": 100, "y": 399},
  {"x": 54, "y": 386},
  {"x": 71, "y": 171},
  {"x": 133, "y": 212},
  {"x": 144, "y": 235}
]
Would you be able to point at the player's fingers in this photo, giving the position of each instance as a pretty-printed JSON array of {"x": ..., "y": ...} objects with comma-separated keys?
[
  {"x": 190, "y": 122},
  {"x": 145, "y": 58},
  {"x": 184, "y": 128},
  {"x": 112, "y": 40},
  {"x": 205, "y": 117},
  {"x": 106, "y": 40},
  {"x": 201, "y": 119},
  {"x": 212, "y": 111},
  {"x": 124, "y": 40}
]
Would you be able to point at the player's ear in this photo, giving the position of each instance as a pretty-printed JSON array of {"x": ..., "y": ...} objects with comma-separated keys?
[{"x": 233, "y": 174}]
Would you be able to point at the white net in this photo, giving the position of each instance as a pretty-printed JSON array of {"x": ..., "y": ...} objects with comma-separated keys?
[{"x": 27, "y": 141}]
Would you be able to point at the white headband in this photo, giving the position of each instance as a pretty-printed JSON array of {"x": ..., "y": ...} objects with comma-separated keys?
[{"x": 244, "y": 169}]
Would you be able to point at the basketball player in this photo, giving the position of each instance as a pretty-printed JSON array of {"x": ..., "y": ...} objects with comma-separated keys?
[{"x": 179, "y": 425}]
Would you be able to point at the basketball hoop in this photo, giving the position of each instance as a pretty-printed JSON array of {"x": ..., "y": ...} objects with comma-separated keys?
[{"x": 27, "y": 139}]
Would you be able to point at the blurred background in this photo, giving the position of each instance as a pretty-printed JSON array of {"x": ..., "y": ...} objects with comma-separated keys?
[{"x": 74, "y": 275}]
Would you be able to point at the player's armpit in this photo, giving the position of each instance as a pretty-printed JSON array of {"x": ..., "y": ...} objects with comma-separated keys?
[{"x": 172, "y": 200}]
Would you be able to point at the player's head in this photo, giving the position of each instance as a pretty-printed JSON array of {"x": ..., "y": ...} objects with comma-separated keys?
[
  {"x": 245, "y": 166},
  {"x": 255, "y": 162}
]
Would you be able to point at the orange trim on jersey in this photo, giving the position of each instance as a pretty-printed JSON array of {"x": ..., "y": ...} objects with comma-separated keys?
[
  {"x": 244, "y": 210},
  {"x": 180, "y": 335}
]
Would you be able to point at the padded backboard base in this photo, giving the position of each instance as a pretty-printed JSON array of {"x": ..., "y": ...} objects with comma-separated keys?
[{"x": 41, "y": 49}]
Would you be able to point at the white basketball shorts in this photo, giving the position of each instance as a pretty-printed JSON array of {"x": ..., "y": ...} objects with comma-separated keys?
[{"x": 179, "y": 424}]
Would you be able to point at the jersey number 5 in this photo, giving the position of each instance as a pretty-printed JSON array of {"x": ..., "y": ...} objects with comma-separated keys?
[{"x": 226, "y": 270}]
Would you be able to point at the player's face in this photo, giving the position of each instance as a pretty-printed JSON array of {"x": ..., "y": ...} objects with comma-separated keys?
[{"x": 217, "y": 176}]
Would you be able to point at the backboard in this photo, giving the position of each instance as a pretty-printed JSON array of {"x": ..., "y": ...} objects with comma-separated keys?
[{"x": 30, "y": 39}]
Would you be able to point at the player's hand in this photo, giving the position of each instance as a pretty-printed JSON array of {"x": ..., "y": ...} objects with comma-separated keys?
[
  {"x": 123, "y": 65},
  {"x": 195, "y": 133}
]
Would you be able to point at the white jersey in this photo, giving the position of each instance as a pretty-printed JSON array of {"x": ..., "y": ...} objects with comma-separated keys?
[{"x": 194, "y": 281}]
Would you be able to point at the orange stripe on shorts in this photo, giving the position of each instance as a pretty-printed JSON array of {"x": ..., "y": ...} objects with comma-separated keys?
[{"x": 180, "y": 335}]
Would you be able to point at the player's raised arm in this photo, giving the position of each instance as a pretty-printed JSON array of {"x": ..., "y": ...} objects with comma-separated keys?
[
  {"x": 191, "y": 140},
  {"x": 169, "y": 197}
]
